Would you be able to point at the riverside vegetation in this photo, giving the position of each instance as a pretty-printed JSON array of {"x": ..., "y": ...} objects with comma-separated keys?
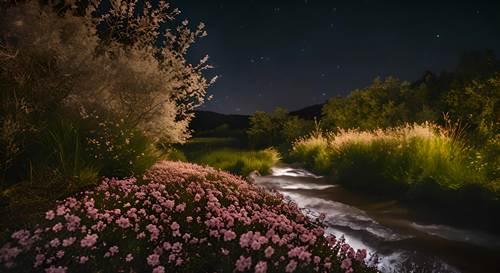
[{"x": 434, "y": 142}]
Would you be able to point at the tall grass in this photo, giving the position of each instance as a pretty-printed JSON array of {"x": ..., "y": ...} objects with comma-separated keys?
[
  {"x": 418, "y": 159},
  {"x": 239, "y": 161}
]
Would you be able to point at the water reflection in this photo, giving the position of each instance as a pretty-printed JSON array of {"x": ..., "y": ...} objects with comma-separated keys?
[{"x": 402, "y": 243}]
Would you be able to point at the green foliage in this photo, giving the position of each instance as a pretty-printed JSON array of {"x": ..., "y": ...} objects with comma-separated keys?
[
  {"x": 384, "y": 103},
  {"x": 116, "y": 148},
  {"x": 277, "y": 129},
  {"x": 174, "y": 154},
  {"x": 478, "y": 105},
  {"x": 403, "y": 160},
  {"x": 313, "y": 151},
  {"x": 63, "y": 151},
  {"x": 471, "y": 98},
  {"x": 241, "y": 162}
]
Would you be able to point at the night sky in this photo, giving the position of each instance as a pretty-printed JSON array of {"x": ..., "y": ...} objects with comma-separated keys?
[{"x": 297, "y": 53}]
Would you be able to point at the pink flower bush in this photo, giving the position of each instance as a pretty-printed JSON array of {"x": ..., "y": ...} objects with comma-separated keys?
[{"x": 180, "y": 217}]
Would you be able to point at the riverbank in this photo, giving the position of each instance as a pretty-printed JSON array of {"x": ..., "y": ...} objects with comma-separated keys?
[
  {"x": 423, "y": 165},
  {"x": 406, "y": 238}
]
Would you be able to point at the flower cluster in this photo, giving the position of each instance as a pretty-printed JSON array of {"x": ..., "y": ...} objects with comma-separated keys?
[{"x": 180, "y": 217}]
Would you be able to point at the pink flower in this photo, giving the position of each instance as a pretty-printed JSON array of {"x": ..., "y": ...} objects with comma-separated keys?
[
  {"x": 55, "y": 242},
  {"x": 69, "y": 241},
  {"x": 57, "y": 227},
  {"x": 39, "y": 259},
  {"x": 197, "y": 197},
  {"x": 174, "y": 226},
  {"x": 53, "y": 269},
  {"x": 60, "y": 254},
  {"x": 243, "y": 263},
  {"x": 89, "y": 240},
  {"x": 7, "y": 253},
  {"x": 316, "y": 259},
  {"x": 129, "y": 257},
  {"x": 261, "y": 267},
  {"x": 346, "y": 264},
  {"x": 169, "y": 204},
  {"x": 269, "y": 251},
  {"x": 246, "y": 238},
  {"x": 61, "y": 209},
  {"x": 180, "y": 207},
  {"x": 290, "y": 267},
  {"x": 155, "y": 232},
  {"x": 360, "y": 255},
  {"x": 49, "y": 215},
  {"x": 229, "y": 235},
  {"x": 83, "y": 259},
  {"x": 153, "y": 259},
  {"x": 159, "y": 269},
  {"x": 112, "y": 251},
  {"x": 123, "y": 222}
]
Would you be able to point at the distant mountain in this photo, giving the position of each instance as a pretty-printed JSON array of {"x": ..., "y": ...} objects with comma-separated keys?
[
  {"x": 309, "y": 112},
  {"x": 208, "y": 120}
]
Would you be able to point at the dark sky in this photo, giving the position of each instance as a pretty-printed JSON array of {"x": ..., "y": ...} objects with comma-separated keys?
[{"x": 297, "y": 53}]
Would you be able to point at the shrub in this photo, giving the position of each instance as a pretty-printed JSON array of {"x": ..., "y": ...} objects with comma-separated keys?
[
  {"x": 241, "y": 162},
  {"x": 277, "y": 129},
  {"x": 116, "y": 148},
  {"x": 182, "y": 218},
  {"x": 313, "y": 151},
  {"x": 77, "y": 57},
  {"x": 174, "y": 154}
]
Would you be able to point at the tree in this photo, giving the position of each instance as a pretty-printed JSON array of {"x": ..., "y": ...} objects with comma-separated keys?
[
  {"x": 114, "y": 58},
  {"x": 277, "y": 129},
  {"x": 117, "y": 59}
]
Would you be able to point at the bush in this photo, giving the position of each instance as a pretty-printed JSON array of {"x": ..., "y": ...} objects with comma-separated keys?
[
  {"x": 313, "y": 151},
  {"x": 277, "y": 129},
  {"x": 116, "y": 148},
  {"x": 182, "y": 218},
  {"x": 393, "y": 159},
  {"x": 240, "y": 162},
  {"x": 174, "y": 154},
  {"x": 86, "y": 60}
]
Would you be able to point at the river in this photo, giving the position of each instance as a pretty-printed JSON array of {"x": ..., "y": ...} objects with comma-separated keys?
[{"x": 403, "y": 241}]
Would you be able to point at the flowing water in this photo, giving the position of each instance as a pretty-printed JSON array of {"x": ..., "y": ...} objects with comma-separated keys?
[{"x": 403, "y": 241}]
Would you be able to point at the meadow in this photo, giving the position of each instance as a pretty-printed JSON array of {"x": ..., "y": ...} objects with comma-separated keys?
[{"x": 229, "y": 154}]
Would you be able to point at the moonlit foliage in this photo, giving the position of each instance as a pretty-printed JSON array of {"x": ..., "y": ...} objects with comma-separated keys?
[
  {"x": 129, "y": 67},
  {"x": 183, "y": 218}
]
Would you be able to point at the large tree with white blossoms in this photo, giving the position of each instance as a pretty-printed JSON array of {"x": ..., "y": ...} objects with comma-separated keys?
[{"x": 124, "y": 57}]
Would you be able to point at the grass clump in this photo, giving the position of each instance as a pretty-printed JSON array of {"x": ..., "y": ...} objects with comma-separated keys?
[
  {"x": 240, "y": 161},
  {"x": 420, "y": 160}
]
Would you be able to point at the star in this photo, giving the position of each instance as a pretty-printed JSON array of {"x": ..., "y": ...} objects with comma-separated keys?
[
  {"x": 437, "y": 36},
  {"x": 276, "y": 9}
]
